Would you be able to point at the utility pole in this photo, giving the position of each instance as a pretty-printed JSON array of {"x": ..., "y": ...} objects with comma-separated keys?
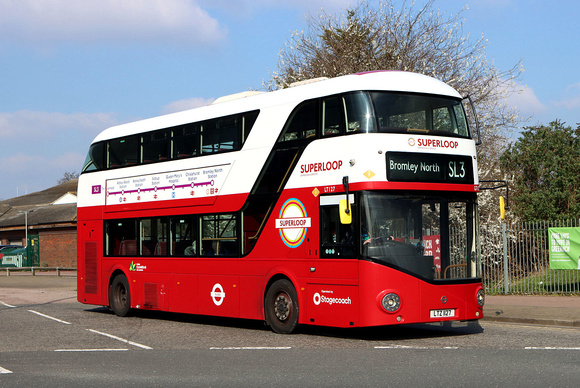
[{"x": 25, "y": 226}]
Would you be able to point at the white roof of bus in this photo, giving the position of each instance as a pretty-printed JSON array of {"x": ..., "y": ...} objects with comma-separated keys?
[{"x": 379, "y": 80}]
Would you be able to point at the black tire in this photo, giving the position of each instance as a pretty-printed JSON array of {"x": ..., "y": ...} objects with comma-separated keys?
[
  {"x": 281, "y": 307},
  {"x": 120, "y": 296}
]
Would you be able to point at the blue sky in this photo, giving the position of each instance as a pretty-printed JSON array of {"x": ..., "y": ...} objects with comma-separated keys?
[{"x": 69, "y": 69}]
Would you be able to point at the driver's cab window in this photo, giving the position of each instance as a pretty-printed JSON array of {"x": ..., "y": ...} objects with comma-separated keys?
[{"x": 337, "y": 240}]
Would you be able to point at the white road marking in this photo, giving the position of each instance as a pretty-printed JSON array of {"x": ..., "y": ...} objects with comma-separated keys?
[
  {"x": 6, "y": 304},
  {"x": 120, "y": 339},
  {"x": 91, "y": 350},
  {"x": 4, "y": 371},
  {"x": 49, "y": 317},
  {"x": 416, "y": 347},
  {"x": 549, "y": 348},
  {"x": 252, "y": 348}
]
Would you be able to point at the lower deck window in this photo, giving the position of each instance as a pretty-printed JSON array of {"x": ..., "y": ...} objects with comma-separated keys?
[
  {"x": 181, "y": 236},
  {"x": 219, "y": 235}
]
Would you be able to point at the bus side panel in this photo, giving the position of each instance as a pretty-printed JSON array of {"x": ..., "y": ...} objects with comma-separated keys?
[
  {"x": 219, "y": 295},
  {"x": 332, "y": 292},
  {"x": 89, "y": 253},
  {"x": 292, "y": 228},
  {"x": 149, "y": 290},
  {"x": 181, "y": 293},
  {"x": 252, "y": 297},
  {"x": 332, "y": 305},
  {"x": 217, "y": 204}
]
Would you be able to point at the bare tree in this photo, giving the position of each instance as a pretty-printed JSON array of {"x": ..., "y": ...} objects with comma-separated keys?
[
  {"x": 397, "y": 35},
  {"x": 68, "y": 176}
]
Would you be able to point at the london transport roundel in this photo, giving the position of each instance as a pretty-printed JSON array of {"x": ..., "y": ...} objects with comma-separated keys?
[{"x": 293, "y": 222}]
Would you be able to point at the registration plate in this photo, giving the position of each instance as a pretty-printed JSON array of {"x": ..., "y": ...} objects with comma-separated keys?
[{"x": 442, "y": 313}]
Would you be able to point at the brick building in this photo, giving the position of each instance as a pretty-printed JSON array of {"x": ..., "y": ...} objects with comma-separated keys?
[{"x": 51, "y": 215}]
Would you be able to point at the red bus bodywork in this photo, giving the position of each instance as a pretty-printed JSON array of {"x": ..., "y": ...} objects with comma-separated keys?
[{"x": 330, "y": 291}]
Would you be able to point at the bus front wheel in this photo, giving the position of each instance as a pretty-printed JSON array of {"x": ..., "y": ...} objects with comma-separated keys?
[
  {"x": 120, "y": 296},
  {"x": 281, "y": 307}
]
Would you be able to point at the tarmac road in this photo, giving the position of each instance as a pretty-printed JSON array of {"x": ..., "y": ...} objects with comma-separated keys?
[
  {"x": 553, "y": 310},
  {"x": 51, "y": 340}
]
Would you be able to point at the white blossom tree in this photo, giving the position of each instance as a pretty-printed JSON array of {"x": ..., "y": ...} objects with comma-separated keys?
[{"x": 398, "y": 35}]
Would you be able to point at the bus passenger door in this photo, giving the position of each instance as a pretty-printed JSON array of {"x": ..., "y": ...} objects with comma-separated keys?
[{"x": 332, "y": 290}]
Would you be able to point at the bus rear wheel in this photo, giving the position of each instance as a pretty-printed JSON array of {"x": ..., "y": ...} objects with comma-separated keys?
[
  {"x": 120, "y": 296},
  {"x": 281, "y": 307}
]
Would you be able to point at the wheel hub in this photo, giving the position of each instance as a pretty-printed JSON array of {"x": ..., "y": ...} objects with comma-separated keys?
[{"x": 282, "y": 307}]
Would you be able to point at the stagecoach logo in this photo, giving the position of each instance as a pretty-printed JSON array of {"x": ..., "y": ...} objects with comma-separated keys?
[
  {"x": 293, "y": 223},
  {"x": 411, "y": 141},
  {"x": 217, "y": 294}
]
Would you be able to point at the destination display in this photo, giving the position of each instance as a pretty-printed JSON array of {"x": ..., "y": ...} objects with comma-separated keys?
[{"x": 439, "y": 168}]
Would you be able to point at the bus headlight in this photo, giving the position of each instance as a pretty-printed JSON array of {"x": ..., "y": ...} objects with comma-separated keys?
[
  {"x": 391, "y": 302},
  {"x": 480, "y": 297}
]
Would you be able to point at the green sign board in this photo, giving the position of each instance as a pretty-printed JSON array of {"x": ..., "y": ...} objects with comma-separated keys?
[{"x": 564, "y": 248}]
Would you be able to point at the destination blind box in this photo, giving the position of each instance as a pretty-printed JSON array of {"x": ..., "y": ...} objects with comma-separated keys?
[{"x": 439, "y": 168}]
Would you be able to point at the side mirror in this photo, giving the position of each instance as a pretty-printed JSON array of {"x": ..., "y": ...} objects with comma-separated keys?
[{"x": 345, "y": 212}]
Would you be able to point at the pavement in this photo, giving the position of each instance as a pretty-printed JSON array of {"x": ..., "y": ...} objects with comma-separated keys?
[{"x": 549, "y": 310}]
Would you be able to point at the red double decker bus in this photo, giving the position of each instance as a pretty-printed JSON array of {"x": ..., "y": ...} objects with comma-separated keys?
[{"x": 347, "y": 202}]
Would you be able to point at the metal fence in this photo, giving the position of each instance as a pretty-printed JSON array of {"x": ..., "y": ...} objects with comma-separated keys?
[{"x": 515, "y": 259}]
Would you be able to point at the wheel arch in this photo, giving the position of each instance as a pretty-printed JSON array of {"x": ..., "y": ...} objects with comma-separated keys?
[
  {"x": 281, "y": 274},
  {"x": 112, "y": 276},
  {"x": 277, "y": 274},
  {"x": 271, "y": 281}
]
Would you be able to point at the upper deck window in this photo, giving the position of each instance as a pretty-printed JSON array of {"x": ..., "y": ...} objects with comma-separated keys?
[
  {"x": 155, "y": 146},
  {"x": 434, "y": 115},
  {"x": 185, "y": 141},
  {"x": 360, "y": 115},
  {"x": 302, "y": 124},
  {"x": 123, "y": 152},
  {"x": 95, "y": 158},
  {"x": 384, "y": 112},
  {"x": 221, "y": 134},
  {"x": 332, "y": 116}
]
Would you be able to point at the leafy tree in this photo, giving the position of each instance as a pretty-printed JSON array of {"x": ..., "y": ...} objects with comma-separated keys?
[{"x": 544, "y": 164}]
